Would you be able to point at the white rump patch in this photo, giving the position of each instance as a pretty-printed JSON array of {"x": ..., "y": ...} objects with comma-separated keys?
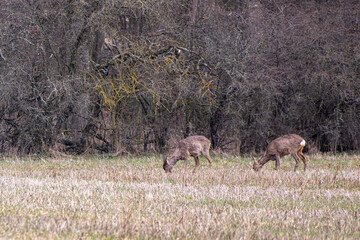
[{"x": 303, "y": 143}]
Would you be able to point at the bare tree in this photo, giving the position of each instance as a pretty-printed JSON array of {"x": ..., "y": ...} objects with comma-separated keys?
[{"x": 103, "y": 76}]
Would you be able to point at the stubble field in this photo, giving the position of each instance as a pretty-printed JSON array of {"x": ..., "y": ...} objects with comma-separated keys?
[{"x": 133, "y": 198}]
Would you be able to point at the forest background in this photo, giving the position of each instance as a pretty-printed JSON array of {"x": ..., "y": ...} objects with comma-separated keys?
[{"x": 107, "y": 76}]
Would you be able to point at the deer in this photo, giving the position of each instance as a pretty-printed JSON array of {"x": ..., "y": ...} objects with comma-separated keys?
[
  {"x": 192, "y": 146},
  {"x": 291, "y": 144}
]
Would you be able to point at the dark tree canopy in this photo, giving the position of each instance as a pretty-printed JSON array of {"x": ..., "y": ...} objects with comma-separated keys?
[{"x": 136, "y": 76}]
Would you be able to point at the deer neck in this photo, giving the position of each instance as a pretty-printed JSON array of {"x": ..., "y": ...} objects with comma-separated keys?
[
  {"x": 264, "y": 159},
  {"x": 173, "y": 159}
]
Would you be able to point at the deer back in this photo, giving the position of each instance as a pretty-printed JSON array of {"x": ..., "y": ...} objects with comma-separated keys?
[
  {"x": 194, "y": 145},
  {"x": 285, "y": 145},
  {"x": 190, "y": 146}
]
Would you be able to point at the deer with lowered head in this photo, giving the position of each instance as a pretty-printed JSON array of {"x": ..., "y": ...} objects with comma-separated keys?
[
  {"x": 192, "y": 146},
  {"x": 291, "y": 144}
]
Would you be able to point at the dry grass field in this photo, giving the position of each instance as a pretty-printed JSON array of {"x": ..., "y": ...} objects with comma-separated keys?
[{"x": 99, "y": 197}]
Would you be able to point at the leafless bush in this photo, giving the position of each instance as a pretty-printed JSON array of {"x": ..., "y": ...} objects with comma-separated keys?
[{"x": 100, "y": 76}]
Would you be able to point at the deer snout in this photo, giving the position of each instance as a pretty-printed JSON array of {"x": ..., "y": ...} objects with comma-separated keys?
[
  {"x": 167, "y": 169},
  {"x": 256, "y": 165},
  {"x": 166, "y": 166},
  {"x": 256, "y": 168}
]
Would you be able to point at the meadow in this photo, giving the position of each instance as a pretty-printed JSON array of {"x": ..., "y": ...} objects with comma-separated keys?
[{"x": 131, "y": 197}]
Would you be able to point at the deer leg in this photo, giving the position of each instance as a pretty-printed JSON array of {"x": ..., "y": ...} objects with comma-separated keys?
[
  {"x": 197, "y": 163},
  {"x": 207, "y": 156},
  {"x": 297, "y": 160},
  {"x": 277, "y": 162},
  {"x": 186, "y": 160},
  {"x": 303, "y": 158}
]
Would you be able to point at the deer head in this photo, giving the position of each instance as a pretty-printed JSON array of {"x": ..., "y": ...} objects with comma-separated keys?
[
  {"x": 166, "y": 166},
  {"x": 257, "y": 166}
]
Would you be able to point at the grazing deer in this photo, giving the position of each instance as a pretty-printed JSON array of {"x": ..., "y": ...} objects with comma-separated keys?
[
  {"x": 288, "y": 144},
  {"x": 190, "y": 146}
]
